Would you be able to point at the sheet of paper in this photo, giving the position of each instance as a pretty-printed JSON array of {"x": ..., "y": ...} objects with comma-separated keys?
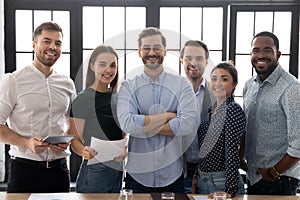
[
  {"x": 200, "y": 197},
  {"x": 204, "y": 198},
  {"x": 52, "y": 196},
  {"x": 106, "y": 150}
]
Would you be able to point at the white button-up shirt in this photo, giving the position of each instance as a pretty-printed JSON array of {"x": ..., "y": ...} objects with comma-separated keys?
[{"x": 36, "y": 105}]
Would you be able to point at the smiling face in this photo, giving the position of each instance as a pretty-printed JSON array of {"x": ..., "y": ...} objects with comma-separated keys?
[
  {"x": 264, "y": 56},
  {"x": 47, "y": 48},
  {"x": 152, "y": 51},
  {"x": 194, "y": 62},
  {"x": 105, "y": 68},
  {"x": 221, "y": 83}
]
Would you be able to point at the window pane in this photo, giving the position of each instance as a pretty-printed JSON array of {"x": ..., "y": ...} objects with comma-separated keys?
[
  {"x": 63, "y": 19},
  {"x": 284, "y": 62},
  {"x": 41, "y": 16},
  {"x": 215, "y": 57},
  {"x": 134, "y": 64},
  {"x": 191, "y": 25},
  {"x": 114, "y": 26},
  {"x": 135, "y": 21},
  {"x": 92, "y": 24},
  {"x": 244, "y": 31},
  {"x": 170, "y": 28},
  {"x": 282, "y": 29},
  {"x": 135, "y": 18},
  {"x": 212, "y": 27},
  {"x": 85, "y": 57},
  {"x": 62, "y": 65},
  {"x": 121, "y": 64},
  {"x": 23, "y": 30},
  {"x": 263, "y": 21},
  {"x": 23, "y": 60},
  {"x": 244, "y": 68},
  {"x": 172, "y": 63}
]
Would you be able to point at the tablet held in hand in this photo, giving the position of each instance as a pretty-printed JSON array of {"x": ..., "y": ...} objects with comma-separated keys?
[{"x": 58, "y": 139}]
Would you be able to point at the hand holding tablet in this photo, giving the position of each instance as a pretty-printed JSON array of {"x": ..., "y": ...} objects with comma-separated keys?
[{"x": 58, "y": 139}]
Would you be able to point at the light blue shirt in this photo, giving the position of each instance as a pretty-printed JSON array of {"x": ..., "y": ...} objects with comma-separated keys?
[
  {"x": 272, "y": 110},
  {"x": 155, "y": 160},
  {"x": 192, "y": 152}
]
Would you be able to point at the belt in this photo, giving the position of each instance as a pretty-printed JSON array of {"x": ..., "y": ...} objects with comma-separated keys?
[{"x": 44, "y": 164}]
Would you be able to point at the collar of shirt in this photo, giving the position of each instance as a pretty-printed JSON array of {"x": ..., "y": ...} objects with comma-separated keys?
[
  {"x": 201, "y": 87},
  {"x": 272, "y": 78}
]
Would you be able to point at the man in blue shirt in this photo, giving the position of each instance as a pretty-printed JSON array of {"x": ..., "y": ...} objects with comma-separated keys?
[
  {"x": 194, "y": 58},
  {"x": 159, "y": 111},
  {"x": 271, "y": 104}
]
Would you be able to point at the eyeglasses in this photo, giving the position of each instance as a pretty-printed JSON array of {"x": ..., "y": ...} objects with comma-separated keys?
[
  {"x": 156, "y": 48},
  {"x": 190, "y": 58},
  {"x": 265, "y": 51}
]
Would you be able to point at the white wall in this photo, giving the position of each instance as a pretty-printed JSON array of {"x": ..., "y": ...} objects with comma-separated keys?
[{"x": 1, "y": 73}]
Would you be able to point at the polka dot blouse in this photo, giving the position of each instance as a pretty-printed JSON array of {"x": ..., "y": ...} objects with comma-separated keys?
[{"x": 219, "y": 141}]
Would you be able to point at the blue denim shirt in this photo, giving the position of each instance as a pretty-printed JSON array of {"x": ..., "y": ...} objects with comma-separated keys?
[
  {"x": 272, "y": 110},
  {"x": 155, "y": 160}
]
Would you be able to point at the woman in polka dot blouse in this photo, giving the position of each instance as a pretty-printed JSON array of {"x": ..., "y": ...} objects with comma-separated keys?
[{"x": 219, "y": 137}]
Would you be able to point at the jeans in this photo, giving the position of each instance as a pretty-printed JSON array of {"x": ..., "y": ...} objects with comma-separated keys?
[
  {"x": 100, "y": 178},
  {"x": 209, "y": 182},
  {"x": 189, "y": 178},
  {"x": 176, "y": 187},
  {"x": 283, "y": 185}
]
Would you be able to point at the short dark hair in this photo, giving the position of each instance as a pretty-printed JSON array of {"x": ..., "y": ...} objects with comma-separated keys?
[
  {"x": 90, "y": 75},
  {"x": 268, "y": 34},
  {"x": 229, "y": 67},
  {"x": 150, "y": 31},
  {"x": 49, "y": 26},
  {"x": 195, "y": 43}
]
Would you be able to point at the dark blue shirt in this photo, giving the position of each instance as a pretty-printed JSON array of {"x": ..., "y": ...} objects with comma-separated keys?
[{"x": 219, "y": 141}]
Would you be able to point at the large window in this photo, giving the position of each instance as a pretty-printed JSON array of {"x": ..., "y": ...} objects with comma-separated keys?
[
  {"x": 115, "y": 26},
  {"x": 227, "y": 28},
  {"x": 247, "y": 21},
  {"x": 26, "y": 22}
]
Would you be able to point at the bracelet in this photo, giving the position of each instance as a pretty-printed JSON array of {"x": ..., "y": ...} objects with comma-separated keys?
[
  {"x": 270, "y": 175},
  {"x": 276, "y": 172}
]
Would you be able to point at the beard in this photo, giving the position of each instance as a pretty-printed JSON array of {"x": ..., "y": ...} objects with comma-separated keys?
[
  {"x": 194, "y": 72},
  {"x": 153, "y": 65},
  {"x": 45, "y": 61},
  {"x": 272, "y": 64}
]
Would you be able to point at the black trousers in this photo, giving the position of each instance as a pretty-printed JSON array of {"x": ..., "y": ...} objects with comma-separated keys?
[
  {"x": 30, "y": 178},
  {"x": 283, "y": 185}
]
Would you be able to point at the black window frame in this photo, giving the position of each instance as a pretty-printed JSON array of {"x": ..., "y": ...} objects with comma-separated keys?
[{"x": 152, "y": 19}]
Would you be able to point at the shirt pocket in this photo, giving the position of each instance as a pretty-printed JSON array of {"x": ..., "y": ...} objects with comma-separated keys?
[{"x": 268, "y": 113}]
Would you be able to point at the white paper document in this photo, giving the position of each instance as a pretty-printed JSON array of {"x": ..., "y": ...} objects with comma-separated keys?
[
  {"x": 52, "y": 196},
  {"x": 106, "y": 150},
  {"x": 200, "y": 197},
  {"x": 204, "y": 197}
]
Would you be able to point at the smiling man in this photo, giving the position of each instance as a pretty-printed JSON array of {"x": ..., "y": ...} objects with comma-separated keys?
[
  {"x": 271, "y": 104},
  {"x": 158, "y": 109},
  {"x": 194, "y": 58},
  {"x": 35, "y": 100}
]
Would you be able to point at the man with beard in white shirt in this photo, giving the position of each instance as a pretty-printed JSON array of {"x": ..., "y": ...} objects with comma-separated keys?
[{"x": 35, "y": 101}]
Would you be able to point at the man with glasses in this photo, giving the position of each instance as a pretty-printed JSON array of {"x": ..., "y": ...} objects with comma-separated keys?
[
  {"x": 271, "y": 104},
  {"x": 158, "y": 109},
  {"x": 194, "y": 58}
]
